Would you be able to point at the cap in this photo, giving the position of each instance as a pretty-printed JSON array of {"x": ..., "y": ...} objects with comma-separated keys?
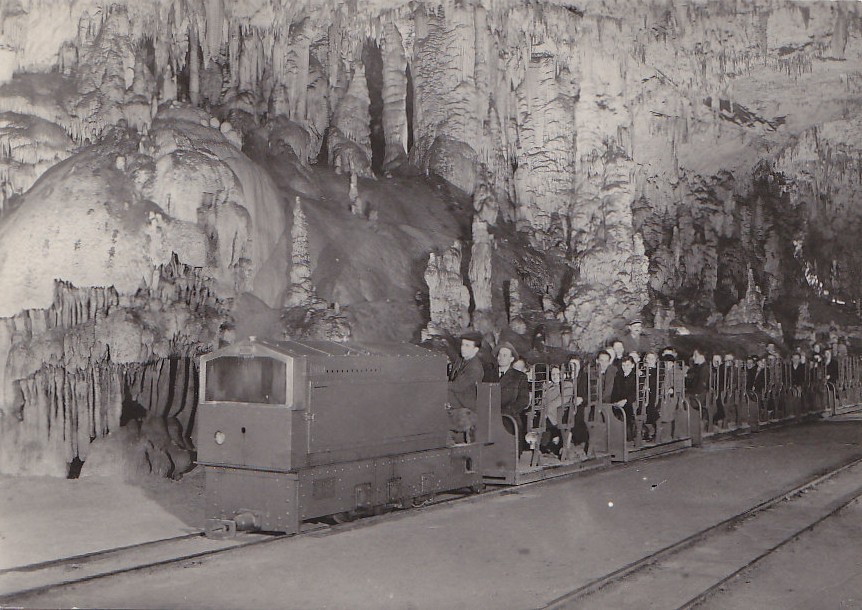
[
  {"x": 474, "y": 336},
  {"x": 636, "y": 321},
  {"x": 508, "y": 346}
]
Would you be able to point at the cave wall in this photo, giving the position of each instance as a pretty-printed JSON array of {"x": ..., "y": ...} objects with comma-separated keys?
[{"x": 679, "y": 159}]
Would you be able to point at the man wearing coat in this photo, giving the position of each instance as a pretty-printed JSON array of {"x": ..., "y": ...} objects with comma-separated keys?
[
  {"x": 514, "y": 388},
  {"x": 466, "y": 373}
]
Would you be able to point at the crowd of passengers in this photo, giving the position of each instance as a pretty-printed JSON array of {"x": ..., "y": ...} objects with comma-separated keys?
[{"x": 564, "y": 384}]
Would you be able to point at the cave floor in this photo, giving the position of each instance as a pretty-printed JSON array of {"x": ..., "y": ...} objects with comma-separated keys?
[
  {"x": 520, "y": 549},
  {"x": 45, "y": 518}
]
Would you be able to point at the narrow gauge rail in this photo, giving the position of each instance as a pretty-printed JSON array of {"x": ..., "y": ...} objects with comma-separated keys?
[
  {"x": 585, "y": 595},
  {"x": 20, "y": 583}
]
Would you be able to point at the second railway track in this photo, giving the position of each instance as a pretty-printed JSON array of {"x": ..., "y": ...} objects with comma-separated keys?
[{"x": 685, "y": 573}]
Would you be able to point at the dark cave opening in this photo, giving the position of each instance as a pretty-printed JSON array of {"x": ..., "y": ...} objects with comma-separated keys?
[
  {"x": 373, "y": 61},
  {"x": 75, "y": 467},
  {"x": 131, "y": 409}
]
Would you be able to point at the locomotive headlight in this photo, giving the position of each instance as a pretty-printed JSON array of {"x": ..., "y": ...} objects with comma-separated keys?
[{"x": 219, "y": 437}]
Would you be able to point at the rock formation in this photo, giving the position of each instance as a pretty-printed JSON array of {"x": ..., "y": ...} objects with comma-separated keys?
[
  {"x": 449, "y": 297},
  {"x": 651, "y": 153},
  {"x": 480, "y": 268},
  {"x": 301, "y": 290}
]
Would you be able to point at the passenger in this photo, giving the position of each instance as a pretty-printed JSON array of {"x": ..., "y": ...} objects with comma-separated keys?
[
  {"x": 556, "y": 392},
  {"x": 619, "y": 350},
  {"x": 633, "y": 341},
  {"x": 667, "y": 408},
  {"x": 758, "y": 385},
  {"x": 797, "y": 371},
  {"x": 625, "y": 395},
  {"x": 514, "y": 388},
  {"x": 830, "y": 366},
  {"x": 520, "y": 365},
  {"x": 669, "y": 351},
  {"x": 466, "y": 373},
  {"x": 578, "y": 375},
  {"x": 718, "y": 384},
  {"x": 539, "y": 345},
  {"x": 698, "y": 376},
  {"x": 651, "y": 381},
  {"x": 607, "y": 375},
  {"x": 750, "y": 371},
  {"x": 842, "y": 350},
  {"x": 635, "y": 356},
  {"x": 772, "y": 351},
  {"x": 727, "y": 372}
]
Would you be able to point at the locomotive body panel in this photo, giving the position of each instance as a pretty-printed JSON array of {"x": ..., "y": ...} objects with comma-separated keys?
[
  {"x": 249, "y": 436},
  {"x": 351, "y": 420}
]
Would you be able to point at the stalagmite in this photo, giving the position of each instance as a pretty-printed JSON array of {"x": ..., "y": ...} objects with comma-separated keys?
[
  {"x": 515, "y": 304},
  {"x": 358, "y": 205},
  {"x": 301, "y": 289},
  {"x": 450, "y": 298},
  {"x": 480, "y": 267}
]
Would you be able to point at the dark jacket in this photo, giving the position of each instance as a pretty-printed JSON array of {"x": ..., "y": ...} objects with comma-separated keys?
[
  {"x": 832, "y": 371},
  {"x": 462, "y": 382},
  {"x": 514, "y": 391},
  {"x": 626, "y": 388},
  {"x": 608, "y": 382},
  {"x": 758, "y": 383},
  {"x": 698, "y": 378},
  {"x": 797, "y": 375}
]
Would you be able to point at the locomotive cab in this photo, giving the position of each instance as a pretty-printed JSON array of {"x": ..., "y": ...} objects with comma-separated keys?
[{"x": 245, "y": 398}]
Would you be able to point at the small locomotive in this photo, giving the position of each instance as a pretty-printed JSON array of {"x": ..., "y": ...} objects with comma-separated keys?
[{"x": 295, "y": 430}]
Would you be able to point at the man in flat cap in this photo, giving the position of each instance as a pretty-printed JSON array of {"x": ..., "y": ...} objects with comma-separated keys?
[
  {"x": 633, "y": 341},
  {"x": 514, "y": 387},
  {"x": 466, "y": 373}
]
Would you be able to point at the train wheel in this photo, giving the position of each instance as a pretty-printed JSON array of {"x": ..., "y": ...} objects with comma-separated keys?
[
  {"x": 345, "y": 517},
  {"x": 478, "y": 488},
  {"x": 421, "y": 500}
]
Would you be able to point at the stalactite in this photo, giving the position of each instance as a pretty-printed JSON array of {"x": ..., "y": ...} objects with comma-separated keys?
[
  {"x": 194, "y": 67},
  {"x": 394, "y": 96}
]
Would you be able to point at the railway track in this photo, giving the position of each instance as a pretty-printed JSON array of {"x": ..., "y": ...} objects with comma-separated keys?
[
  {"x": 685, "y": 573},
  {"x": 23, "y": 581},
  {"x": 20, "y": 583}
]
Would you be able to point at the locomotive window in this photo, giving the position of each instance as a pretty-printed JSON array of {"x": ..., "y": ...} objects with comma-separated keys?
[{"x": 236, "y": 379}]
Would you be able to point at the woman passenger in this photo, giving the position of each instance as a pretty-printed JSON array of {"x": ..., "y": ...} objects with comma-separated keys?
[
  {"x": 651, "y": 379},
  {"x": 556, "y": 393}
]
